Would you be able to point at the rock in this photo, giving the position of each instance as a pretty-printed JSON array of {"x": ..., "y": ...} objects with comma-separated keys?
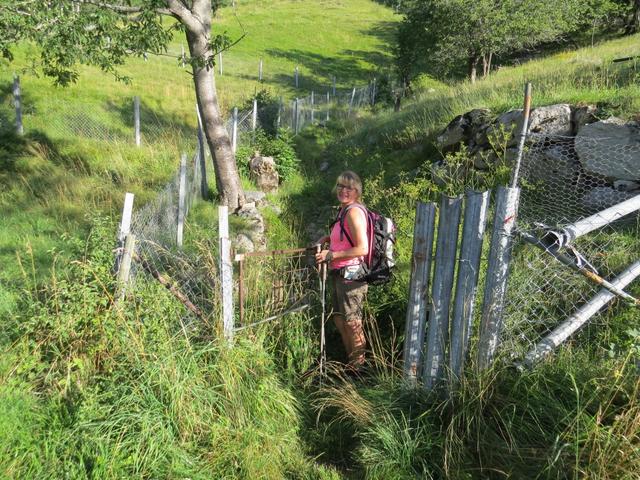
[
  {"x": 262, "y": 170},
  {"x": 501, "y": 131},
  {"x": 550, "y": 120},
  {"x": 581, "y": 116},
  {"x": 256, "y": 197},
  {"x": 599, "y": 198},
  {"x": 555, "y": 165},
  {"x": 482, "y": 159},
  {"x": 462, "y": 128},
  {"x": 243, "y": 244},
  {"x": 626, "y": 186},
  {"x": 324, "y": 166},
  {"x": 453, "y": 134},
  {"x": 610, "y": 148}
]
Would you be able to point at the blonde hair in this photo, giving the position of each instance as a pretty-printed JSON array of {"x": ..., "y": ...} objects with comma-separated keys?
[{"x": 351, "y": 179}]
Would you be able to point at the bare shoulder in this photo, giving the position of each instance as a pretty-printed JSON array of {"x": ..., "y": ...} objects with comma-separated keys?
[{"x": 356, "y": 214}]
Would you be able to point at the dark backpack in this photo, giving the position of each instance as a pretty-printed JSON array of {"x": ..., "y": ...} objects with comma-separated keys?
[{"x": 381, "y": 233}]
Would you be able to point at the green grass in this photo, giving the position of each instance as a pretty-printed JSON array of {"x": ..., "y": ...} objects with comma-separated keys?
[{"x": 91, "y": 389}]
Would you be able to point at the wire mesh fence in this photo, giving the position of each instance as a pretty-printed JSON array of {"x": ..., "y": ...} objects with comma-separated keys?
[
  {"x": 571, "y": 234},
  {"x": 276, "y": 283}
]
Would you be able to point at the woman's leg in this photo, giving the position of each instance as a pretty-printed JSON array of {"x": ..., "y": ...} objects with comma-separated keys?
[{"x": 351, "y": 296}]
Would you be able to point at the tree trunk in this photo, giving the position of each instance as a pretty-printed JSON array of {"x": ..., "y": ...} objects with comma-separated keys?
[
  {"x": 634, "y": 26},
  {"x": 473, "y": 68},
  {"x": 226, "y": 172}
]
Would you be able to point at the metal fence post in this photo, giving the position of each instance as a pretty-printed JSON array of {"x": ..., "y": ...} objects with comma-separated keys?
[
  {"x": 226, "y": 272},
  {"x": 279, "y": 117},
  {"x": 136, "y": 119},
  {"x": 423, "y": 233},
  {"x": 296, "y": 116},
  {"x": 353, "y": 95},
  {"x": 17, "y": 103},
  {"x": 254, "y": 115},
  {"x": 578, "y": 319},
  {"x": 182, "y": 56},
  {"x": 445, "y": 262},
  {"x": 220, "y": 62},
  {"x": 234, "y": 130},
  {"x": 182, "y": 195},
  {"x": 475, "y": 218},
  {"x": 334, "y": 85},
  {"x": 495, "y": 288},
  {"x": 295, "y": 73},
  {"x": 328, "y": 100},
  {"x": 373, "y": 92},
  {"x": 204, "y": 185},
  {"x": 312, "y": 105},
  {"x": 260, "y": 71}
]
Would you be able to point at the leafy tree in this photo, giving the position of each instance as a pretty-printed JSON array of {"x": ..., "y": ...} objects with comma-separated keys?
[
  {"x": 104, "y": 33},
  {"x": 448, "y": 32}
]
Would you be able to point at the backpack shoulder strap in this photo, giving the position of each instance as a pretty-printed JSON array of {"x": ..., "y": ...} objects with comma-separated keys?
[{"x": 343, "y": 213}]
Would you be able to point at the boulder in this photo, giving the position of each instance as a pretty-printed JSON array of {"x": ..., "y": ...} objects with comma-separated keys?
[
  {"x": 254, "y": 224},
  {"x": 581, "y": 116},
  {"x": 554, "y": 165},
  {"x": 626, "y": 186},
  {"x": 610, "y": 148},
  {"x": 256, "y": 197},
  {"x": 243, "y": 244},
  {"x": 550, "y": 120},
  {"x": 262, "y": 170},
  {"x": 453, "y": 134},
  {"x": 462, "y": 128},
  {"x": 501, "y": 131},
  {"x": 599, "y": 198}
]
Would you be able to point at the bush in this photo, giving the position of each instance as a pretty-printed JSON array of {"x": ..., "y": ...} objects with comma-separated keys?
[{"x": 279, "y": 147}]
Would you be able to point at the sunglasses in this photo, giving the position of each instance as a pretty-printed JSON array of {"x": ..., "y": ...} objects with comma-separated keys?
[{"x": 344, "y": 187}]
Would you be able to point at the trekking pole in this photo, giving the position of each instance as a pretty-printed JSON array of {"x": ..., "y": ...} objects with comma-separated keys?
[{"x": 322, "y": 272}]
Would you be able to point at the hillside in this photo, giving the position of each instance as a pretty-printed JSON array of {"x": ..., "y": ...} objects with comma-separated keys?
[
  {"x": 93, "y": 387},
  {"x": 77, "y": 157}
]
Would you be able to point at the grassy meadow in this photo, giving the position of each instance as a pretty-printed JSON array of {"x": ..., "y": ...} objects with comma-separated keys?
[{"x": 92, "y": 389}]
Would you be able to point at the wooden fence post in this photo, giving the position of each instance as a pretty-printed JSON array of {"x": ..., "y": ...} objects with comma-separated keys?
[
  {"x": 423, "y": 233},
  {"x": 226, "y": 272},
  {"x": 182, "y": 56},
  {"x": 312, "y": 106},
  {"x": 125, "y": 228},
  {"x": 136, "y": 119},
  {"x": 17, "y": 102},
  {"x": 373, "y": 92},
  {"x": 296, "y": 117},
  {"x": 220, "y": 62},
  {"x": 260, "y": 71},
  {"x": 295, "y": 73},
  {"x": 124, "y": 272},
  {"x": 182, "y": 195}
]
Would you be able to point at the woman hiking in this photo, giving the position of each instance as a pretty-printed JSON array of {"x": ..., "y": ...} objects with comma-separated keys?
[{"x": 348, "y": 246}]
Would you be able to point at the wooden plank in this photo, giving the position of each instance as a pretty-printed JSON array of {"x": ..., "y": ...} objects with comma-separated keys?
[{"x": 226, "y": 272}]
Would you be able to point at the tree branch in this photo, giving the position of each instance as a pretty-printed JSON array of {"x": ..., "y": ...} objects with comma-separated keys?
[{"x": 124, "y": 8}]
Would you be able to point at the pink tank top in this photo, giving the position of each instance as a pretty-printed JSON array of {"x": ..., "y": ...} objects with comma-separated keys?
[{"x": 338, "y": 244}]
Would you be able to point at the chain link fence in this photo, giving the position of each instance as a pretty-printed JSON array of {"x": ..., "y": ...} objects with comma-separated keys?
[{"x": 566, "y": 240}]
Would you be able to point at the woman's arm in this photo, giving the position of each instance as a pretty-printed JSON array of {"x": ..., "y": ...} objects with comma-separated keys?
[{"x": 357, "y": 222}]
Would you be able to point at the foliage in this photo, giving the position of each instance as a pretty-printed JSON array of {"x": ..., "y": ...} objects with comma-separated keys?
[
  {"x": 439, "y": 35},
  {"x": 279, "y": 146}
]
